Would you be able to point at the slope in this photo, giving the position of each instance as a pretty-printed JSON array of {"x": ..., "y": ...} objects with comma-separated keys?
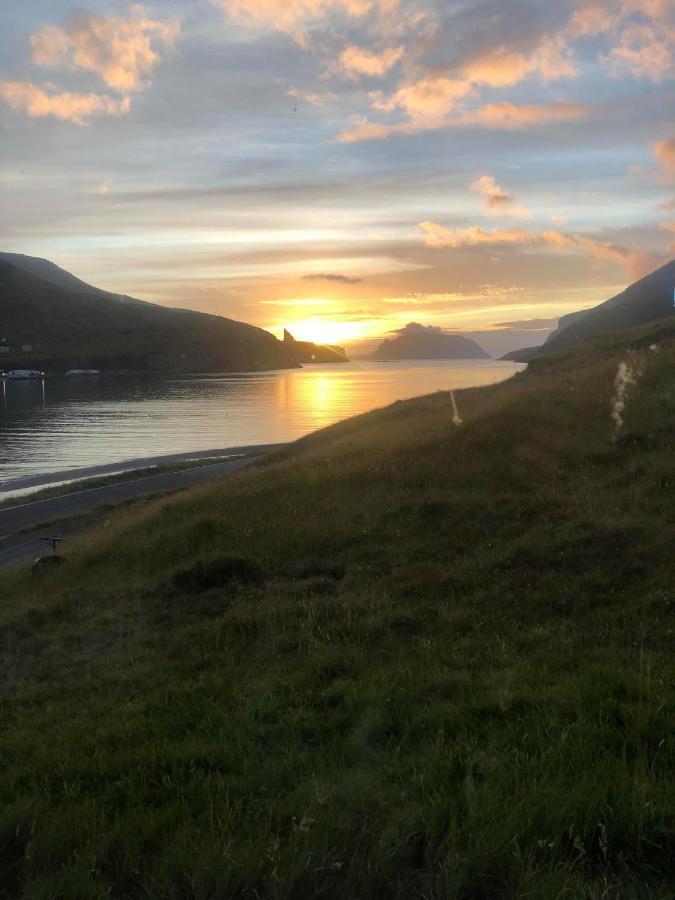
[
  {"x": 399, "y": 659},
  {"x": 67, "y": 328},
  {"x": 648, "y": 299}
]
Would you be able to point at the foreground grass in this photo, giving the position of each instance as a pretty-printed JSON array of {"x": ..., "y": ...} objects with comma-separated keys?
[{"x": 414, "y": 661}]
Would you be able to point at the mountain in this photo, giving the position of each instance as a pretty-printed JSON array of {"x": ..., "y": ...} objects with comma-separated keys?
[
  {"x": 417, "y": 341},
  {"x": 646, "y": 300},
  {"x": 309, "y": 352},
  {"x": 49, "y": 271},
  {"x": 524, "y": 354},
  {"x": 58, "y": 322}
]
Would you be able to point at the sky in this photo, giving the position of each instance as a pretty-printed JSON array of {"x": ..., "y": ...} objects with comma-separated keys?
[{"x": 343, "y": 167}]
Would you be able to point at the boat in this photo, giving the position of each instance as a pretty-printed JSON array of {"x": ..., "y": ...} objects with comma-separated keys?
[
  {"x": 83, "y": 372},
  {"x": 16, "y": 374}
]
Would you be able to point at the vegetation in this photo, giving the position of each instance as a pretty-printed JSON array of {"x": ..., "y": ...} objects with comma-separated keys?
[{"x": 399, "y": 659}]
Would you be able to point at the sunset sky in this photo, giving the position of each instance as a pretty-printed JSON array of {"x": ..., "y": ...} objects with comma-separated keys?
[{"x": 342, "y": 167}]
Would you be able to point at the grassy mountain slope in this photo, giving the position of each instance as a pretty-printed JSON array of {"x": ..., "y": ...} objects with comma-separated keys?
[
  {"x": 69, "y": 328},
  {"x": 415, "y": 660},
  {"x": 646, "y": 300}
]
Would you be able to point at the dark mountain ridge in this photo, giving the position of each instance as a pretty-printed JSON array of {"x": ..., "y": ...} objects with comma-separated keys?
[{"x": 57, "y": 326}]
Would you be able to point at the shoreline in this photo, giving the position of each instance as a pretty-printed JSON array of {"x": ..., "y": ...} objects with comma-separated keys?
[{"x": 25, "y": 483}]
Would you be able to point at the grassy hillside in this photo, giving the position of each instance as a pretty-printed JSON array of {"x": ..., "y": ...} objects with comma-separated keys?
[
  {"x": 67, "y": 328},
  {"x": 647, "y": 300},
  {"x": 399, "y": 659}
]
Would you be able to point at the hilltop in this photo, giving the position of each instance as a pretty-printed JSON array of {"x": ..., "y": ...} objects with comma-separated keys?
[
  {"x": 398, "y": 659},
  {"x": 416, "y": 341},
  {"x": 51, "y": 320}
]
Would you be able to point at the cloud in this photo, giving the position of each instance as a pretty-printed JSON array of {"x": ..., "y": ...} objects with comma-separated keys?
[
  {"x": 664, "y": 151},
  {"x": 329, "y": 276},
  {"x": 122, "y": 52},
  {"x": 497, "y": 201},
  {"x": 503, "y": 116},
  {"x": 501, "y": 67},
  {"x": 669, "y": 226},
  {"x": 291, "y": 15},
  {"x": 417, "y": 328},
  {"x": 528, "y": 324},
  {"x": 66, "y": 106},
  {"x": 646, "y": 50},
  {"x": 358, "y": 62},
  {"x": 510, "y": 116},
  {"x": 637, "y": 262}
]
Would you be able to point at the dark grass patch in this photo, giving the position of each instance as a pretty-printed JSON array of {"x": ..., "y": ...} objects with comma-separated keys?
[{"x": 218, "y": 573}]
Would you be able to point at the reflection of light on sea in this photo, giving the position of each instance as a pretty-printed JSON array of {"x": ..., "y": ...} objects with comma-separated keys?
[{"x": 316, "y": 398}]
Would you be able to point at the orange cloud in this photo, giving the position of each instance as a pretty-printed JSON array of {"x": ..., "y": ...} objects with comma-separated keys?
[
  {"x": 646, "y": 50},
  {"x": 503, "y": 68},
  {"x": 356, "y": 61},
  {"x": 497, "y": 201},
  {"x": 290, "y": 15},
  {"x": 669, "y": 226},
  {"x": 637, "y": 262},
  {"x": 506, "y": 116},
  {"x": 664, "y": 151},
  {"x": 67, "y": 106},
  {"x": 122, "y": 52},
  {"x": 511, "y": 116}
]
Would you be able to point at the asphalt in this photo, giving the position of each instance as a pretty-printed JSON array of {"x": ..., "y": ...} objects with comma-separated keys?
[{"x": 23, "y": 525}]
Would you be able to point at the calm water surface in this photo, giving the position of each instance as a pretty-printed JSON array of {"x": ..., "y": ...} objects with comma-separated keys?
[{"x": 62, "y": 423}]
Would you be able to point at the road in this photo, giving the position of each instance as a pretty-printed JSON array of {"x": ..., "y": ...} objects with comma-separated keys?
[{"x": 21, "y": 526}]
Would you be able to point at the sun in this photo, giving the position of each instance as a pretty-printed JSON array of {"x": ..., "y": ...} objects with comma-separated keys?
[{"x": 325, "y": 331}]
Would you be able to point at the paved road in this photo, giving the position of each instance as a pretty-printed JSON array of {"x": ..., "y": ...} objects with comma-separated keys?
[{"x": 19, "y": 544}]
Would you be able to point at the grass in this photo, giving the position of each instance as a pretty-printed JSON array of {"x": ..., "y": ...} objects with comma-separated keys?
[{"x": 398, "y": 659}]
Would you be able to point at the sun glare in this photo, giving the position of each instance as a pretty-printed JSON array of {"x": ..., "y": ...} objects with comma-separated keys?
[{"x": 325, "y": 331}]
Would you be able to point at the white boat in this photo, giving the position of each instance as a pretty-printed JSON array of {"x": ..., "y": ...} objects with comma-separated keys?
[{"x": 24, "y": 373}]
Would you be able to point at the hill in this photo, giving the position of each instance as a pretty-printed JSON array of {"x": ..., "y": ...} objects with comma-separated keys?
[
  {"x": 398, "y": 659},
  {"x": 65, "y": 325},
  {"x": 417, "y": 341},
  {"x": 647, "y": 300},
  {"x": 49, "y": 271}
]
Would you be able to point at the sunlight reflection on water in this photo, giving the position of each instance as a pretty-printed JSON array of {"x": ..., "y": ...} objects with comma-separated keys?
[{"x": 72, "y": 422}]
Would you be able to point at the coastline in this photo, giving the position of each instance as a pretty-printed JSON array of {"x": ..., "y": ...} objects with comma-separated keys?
[{"x": 25, "y": 483}]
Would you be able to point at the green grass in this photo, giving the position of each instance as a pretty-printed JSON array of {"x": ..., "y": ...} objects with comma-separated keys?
[{"x": 398, "y": 659}]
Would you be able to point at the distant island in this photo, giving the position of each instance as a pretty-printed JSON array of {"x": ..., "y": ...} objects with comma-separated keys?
[
  {"x": 55, "y": 322},
  {"x": 415, "y": 341}
]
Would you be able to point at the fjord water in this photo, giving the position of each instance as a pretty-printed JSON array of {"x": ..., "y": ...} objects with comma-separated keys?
[{"x": 64, "y": 423}]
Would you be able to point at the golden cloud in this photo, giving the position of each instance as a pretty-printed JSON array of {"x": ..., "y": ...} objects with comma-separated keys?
[
  {"x": 66, "y": 106},
  {"x": 357, "y": 61},
  {"x": 637, "y": 262},
  {"x": 122, "y": 52},
  {"x": 497, "y": 201}
]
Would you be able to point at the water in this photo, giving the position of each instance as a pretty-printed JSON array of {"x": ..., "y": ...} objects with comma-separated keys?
[{"x": 64, "y": 423}]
